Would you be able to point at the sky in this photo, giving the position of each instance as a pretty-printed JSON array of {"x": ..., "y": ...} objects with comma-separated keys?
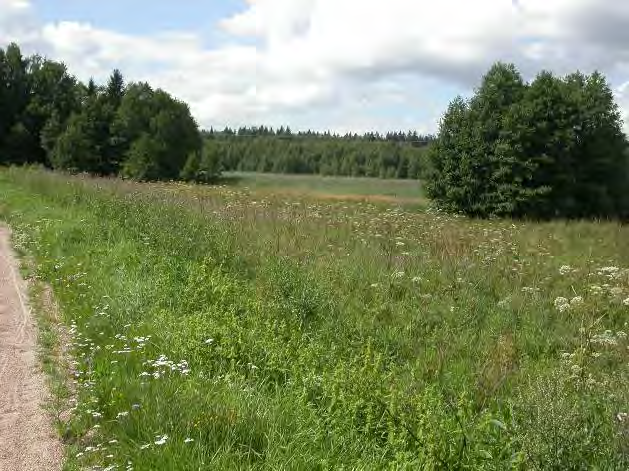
[{"x": 340, "y": 65}]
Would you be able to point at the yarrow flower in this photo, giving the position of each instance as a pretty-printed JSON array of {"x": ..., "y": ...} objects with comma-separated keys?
[
  {"x": 562, "y": 304},
  {"x": 576, "y": 301}
]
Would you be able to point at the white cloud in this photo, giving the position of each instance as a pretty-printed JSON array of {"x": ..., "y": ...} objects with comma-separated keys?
[{"x": 292, "y": 56}]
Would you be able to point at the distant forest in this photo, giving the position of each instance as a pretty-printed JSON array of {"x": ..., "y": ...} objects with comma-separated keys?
[
  {"x": 49, "y": 117},
  {"x": 262, "y": 149}
]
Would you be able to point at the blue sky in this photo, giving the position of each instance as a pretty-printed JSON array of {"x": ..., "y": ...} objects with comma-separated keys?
[
  {"x": 142, "y": 16},
  {"x": 341, "y": 65}
]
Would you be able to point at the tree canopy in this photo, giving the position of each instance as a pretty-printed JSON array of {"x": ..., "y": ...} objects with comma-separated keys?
[
  {"x": 550, "y": 148},
  {"x": 394, "y": 155},
  {"x": 49, "y": 117}
]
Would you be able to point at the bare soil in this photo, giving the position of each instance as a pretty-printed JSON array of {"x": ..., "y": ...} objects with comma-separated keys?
[{"x": 27, "y": 438}]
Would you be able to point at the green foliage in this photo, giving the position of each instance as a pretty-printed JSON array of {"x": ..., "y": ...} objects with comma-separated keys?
[
  {"x": 204, "y": 167},
  {"x": 142, "y": 159},
  {"x": 395, "y": 155},
  {"x": 75, "y": 149},
  {"x": 551, "y": 148},
  {"x": 153, "y": 121},
  {"x": 48, "y": 117}
]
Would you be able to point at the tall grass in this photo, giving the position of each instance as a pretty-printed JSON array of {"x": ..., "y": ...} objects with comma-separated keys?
[{"x": 217, "y": 328}]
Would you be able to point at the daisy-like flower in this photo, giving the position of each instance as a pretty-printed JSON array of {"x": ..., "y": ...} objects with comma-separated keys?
[{"x": 161, "y": 440}]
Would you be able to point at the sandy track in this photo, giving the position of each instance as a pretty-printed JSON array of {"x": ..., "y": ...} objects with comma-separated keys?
[{"x": 27, "y": 438}]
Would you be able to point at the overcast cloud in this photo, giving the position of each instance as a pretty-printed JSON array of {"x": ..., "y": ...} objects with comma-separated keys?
[{"x": 337, "y": 62}]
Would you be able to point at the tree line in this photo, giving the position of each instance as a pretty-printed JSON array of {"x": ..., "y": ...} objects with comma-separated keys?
[
  {"x": 551, "y": 148},
  {"x": 49, "y": 117},
  {"x": 262, "y": 149}
]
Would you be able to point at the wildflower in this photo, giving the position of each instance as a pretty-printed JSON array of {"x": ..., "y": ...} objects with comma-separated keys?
[
  {"x": 209, "y": 341},
  {"x": 144, "y": 447},
  {"x": 565, "y": 269},
  {"x": 416, "y": 279},
  {"x": 622, "y": 416},
  {"x": 188, "y": 440},
  {"x": 607, "y": 338},
  {"x": 562, "y": 304},
  {"x": 626, "y": 302},
  {"x": 161, "y": 440},
  {"x": 616, "y": 291},
  {"x": 576, "y": 301}
]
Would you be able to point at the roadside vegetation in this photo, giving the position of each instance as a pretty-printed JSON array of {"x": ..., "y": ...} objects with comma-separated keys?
[{"x": 222, "y": 328}]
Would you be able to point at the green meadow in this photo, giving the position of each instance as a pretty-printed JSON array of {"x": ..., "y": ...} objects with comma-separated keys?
[{"x": 262, "y": 324}]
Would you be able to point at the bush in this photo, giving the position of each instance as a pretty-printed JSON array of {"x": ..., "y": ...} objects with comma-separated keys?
[{"x": 553, "y": 148}]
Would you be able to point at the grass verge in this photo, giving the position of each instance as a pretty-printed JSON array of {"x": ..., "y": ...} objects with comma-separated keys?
[{"x": 218, "y": 329}]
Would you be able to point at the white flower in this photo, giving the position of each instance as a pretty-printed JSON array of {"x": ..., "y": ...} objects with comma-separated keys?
[
  {"x": 565, "y": 269},
  {"x": 144, "y": 447},
  {"x": 188, "y": 440},
  {"x": 209, "y": 341},
  {"x": 576, "y": 301},
  {"x": 626, "y": 302},
  {"x": 616, "y": 291},
  {"x": 161, "y": 440},
  {"x": 122, "y": 414},
  {"x": 562, "y": 304},
  {"x": 622, "y": 416}
]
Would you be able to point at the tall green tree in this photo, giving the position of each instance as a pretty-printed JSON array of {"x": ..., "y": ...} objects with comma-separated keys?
[
  {"x": 14, "y": 98},
  {"x": 159, "y": 122},
  {"x": 551, "y": 148}
]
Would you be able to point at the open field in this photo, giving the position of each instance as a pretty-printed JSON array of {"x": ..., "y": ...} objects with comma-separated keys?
[
  {"x": 226, "y": 328},
  {"x": 374, "y": 189}
]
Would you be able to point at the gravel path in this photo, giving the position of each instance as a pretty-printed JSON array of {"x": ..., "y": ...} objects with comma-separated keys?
[{"x": 27, "y": 438}]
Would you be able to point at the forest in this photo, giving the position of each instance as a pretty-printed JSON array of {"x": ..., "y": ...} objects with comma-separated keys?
[
  {"x": 51, "y": 118},
  {"x": 261, "y": 149}
]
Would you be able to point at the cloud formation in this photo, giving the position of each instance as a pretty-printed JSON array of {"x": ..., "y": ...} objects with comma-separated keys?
[{"x": 290, "y": 57}]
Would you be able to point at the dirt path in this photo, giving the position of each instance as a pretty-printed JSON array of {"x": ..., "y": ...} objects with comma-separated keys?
[{"x": 27, "y": 438}]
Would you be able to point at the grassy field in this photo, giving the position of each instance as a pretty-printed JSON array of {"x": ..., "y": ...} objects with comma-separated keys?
[
  {"x": 227, "y": 328},
  {"x": 349, "y": 188}
]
